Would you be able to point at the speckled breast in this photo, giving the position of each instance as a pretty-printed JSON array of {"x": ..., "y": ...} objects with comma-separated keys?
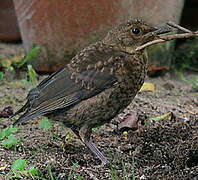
[{"x": 103, "y": 107}]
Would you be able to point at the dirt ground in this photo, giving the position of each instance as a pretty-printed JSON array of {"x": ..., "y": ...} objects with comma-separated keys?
[{"x": 166, "y": 149}]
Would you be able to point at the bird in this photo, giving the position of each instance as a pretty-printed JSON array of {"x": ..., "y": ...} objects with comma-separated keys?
[{"x": 99, "y": 83}]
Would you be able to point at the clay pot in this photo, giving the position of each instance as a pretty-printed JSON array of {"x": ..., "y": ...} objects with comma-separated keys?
[
  {"x": 9, "y": 30},
  {"x": 63, "y": 27},
  {"x": 157, "y": 11}
]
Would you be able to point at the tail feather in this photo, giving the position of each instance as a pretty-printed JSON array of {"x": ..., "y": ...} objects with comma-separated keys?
[
  {"x": 25, "y": 117},
  {"x": 20, "y": 110}
]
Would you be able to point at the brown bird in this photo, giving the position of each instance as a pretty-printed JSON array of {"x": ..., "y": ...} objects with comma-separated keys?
[{"x": 98, "y": 84}]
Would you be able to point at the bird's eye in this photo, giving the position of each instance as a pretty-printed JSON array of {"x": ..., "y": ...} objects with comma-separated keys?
[{"x": 135, "y": 31}]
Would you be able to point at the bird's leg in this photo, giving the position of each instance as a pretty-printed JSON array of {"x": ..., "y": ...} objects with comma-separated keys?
[
  {"x": 76, "y": 132},
  {"x": 96, "y": 151},
  {"x": 84, "y": 134}
]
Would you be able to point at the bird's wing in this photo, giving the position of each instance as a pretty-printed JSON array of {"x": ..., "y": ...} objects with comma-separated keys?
[{"x": 60, "y": 90}]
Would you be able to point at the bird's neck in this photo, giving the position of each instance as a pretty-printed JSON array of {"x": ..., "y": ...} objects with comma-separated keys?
[
  {"x": 130, "y": 66},
  {"x": 133, "y": 74}
]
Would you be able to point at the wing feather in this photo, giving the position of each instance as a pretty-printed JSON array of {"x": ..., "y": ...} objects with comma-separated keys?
[{"x": 61, "y": 91}]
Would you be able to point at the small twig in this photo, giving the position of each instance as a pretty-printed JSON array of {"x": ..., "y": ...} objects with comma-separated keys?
[
  {"x": 172, "y": 24},
  {"x": 149, "y": 44},
  {"x": 178, "y": 36},
  {"x": 163, "y": 38}
]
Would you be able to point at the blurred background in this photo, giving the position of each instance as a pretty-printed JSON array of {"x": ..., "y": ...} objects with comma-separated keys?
[{"x": 63, "y": 27}]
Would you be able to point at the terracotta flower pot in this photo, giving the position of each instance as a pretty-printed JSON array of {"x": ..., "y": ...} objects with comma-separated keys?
[
  {"x": 9, "y": 30},
  {"x": 63, "y": 27}
]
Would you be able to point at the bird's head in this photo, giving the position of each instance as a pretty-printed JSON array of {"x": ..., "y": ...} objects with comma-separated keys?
[{"x": 131, "y": 34}]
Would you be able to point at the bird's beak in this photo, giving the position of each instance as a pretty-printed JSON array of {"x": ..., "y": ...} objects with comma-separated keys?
[{"x": 161, "y": 30}]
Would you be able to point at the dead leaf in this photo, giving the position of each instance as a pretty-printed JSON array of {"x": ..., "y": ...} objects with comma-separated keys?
[
  {"x": 130, "y": 122},
  {"x": 157, "y": 70},
  {"x": 162, "y": 117},
  {"x": 7, "y": 112},
  {"x": 148, "y": 87},
  {"x": 15, "y": 59},
  {"x": 9, "y": 61},
  {"x": 168, "y": 86}
]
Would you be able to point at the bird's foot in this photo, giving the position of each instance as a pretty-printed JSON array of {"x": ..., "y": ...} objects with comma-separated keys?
[{"x": 97, "y": 152}]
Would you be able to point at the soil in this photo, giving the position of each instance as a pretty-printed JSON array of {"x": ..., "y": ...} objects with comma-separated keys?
[{"x": 166, "y": 149}]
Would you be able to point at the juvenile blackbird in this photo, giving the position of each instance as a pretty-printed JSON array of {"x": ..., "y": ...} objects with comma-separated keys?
[{"x": 98, "y": 84}]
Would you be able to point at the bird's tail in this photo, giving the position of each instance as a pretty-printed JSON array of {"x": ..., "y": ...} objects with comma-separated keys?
[
  {"x": 25, "y": 117},
  {"x": 28, "y": 113},
  {"x": 24, "y": 108}
]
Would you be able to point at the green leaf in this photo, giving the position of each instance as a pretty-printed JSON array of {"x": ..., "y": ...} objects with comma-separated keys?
[
  {"x": 30, "y": 55},
  {"x": 45, "y": 124},
  {"x": 32, "y": 75},
  {"x": 33, "y": 171},
  {"x": 96, "y": 128},
  {"x": 10, "y": 141},
  {"x": 1, "y": 76},
  {"x": 9, "y": 68},
  {"x": 19, "y": 165},
  {"x": 8, "y": 131},
  {"x": 114, "y": 174},
  {"x": 79, "y": 177}
]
